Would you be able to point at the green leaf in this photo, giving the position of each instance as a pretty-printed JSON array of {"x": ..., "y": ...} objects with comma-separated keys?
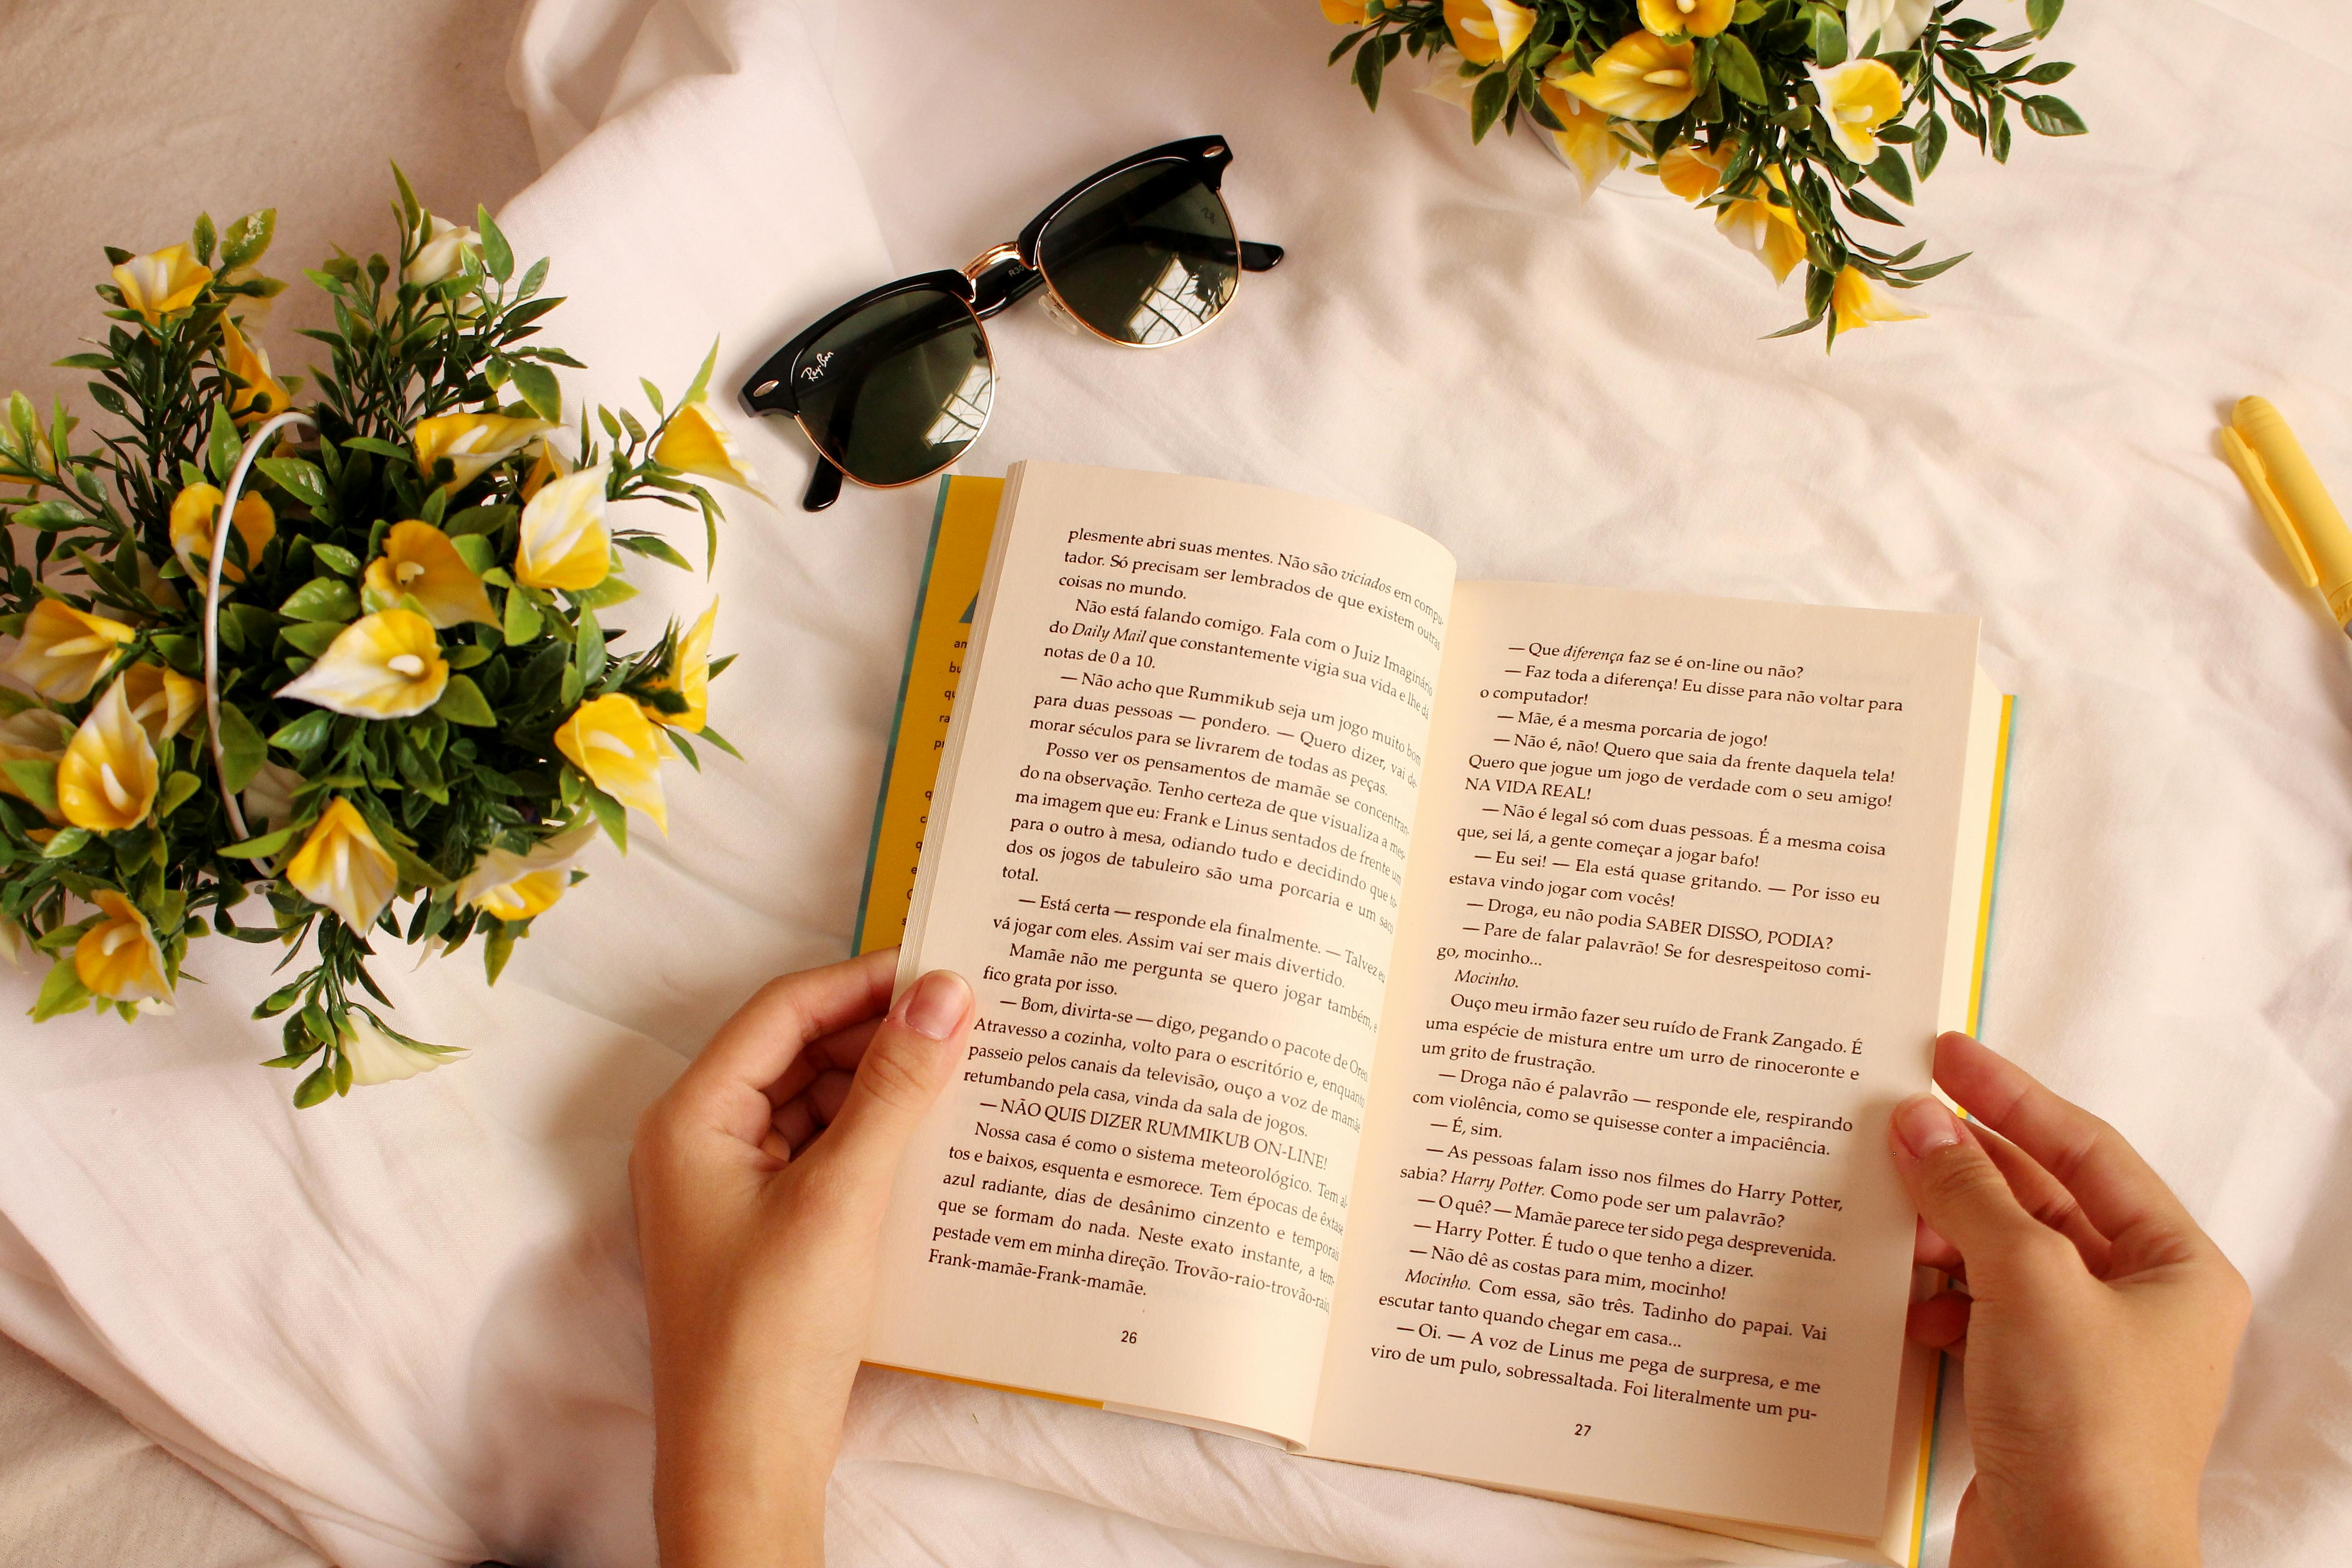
[
  {"x": 2044, "y": 75},
  {"x": 614, "y": 589},
  {"x": 50, "y": 516},
  {"x": 337, "y": 559},
  {"x": 1921, "y": 274},
  {"x": 318, "y": 1085},
  {"x": 654, "y": 546},
  {"x": 1746, "y": 11},
  {"x": 303, "y": 733},
  {"x": 2042, "y": 15},
  {"x": 36, "y": 779},
  {"x": 299, "y": 480},
  {"x": 264, "y": 846},
  {"x": 1893, "y": 176},
  {"x": 278, "y": 1001},
  {"x": 466, "y": 655},
  {"x": 174, "y": 793},
  {"x": 462, "y": 702},
  {"x": 221, "y": 448},
  {"x": 1735, "y": 69},
  {"x": 1861, "y": 204},
  {"x": 479, "y": 520},
  {"x": 718, "y": 739},
  {"x": 588, "y": 648},
  {"x": 498, "y": 256},
  {"x": 201, "y": 239},
  {"x": 477, "y": 552},
  {"x": 701, "y": 378},
  {"x": 67, "y": 841},
  {"x": 61, "y": 991},
  {"x": 610, "y": 814},
  {"x": 538, "y": 386},
  {"x": 380, "y": 447},
  {"x": 1486, "y": 102},
  {"x": 496, "y": 949},
  {"x": 1828, "y": 42},
  {"x": 321, "y": 599},
  {"x": 522, "y": 622},
  {"x": 1370, "y": 62},
  {"x": 247, "y": 239},
  {"x": 242, "y": 751},
  {"x": 2053, "y": 116},
  {"x": 1928, "y": 151},
  {"x": 311, "y": 638},
  {"x": 85, "y": 361}
]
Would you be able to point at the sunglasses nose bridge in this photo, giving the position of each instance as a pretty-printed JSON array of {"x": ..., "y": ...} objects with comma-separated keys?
[{"x": 995, "y": 256}]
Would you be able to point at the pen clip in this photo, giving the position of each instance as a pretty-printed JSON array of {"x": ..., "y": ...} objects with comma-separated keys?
[{"x": 2248, "y": 463}]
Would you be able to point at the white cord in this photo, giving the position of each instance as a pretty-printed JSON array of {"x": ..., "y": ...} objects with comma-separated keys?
[{"x": 253, "y": 446}]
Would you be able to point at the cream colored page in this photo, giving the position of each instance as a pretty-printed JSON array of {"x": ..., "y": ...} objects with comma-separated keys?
[
  {"x": 1625, "y": 1227},
  {"x": 1170, "y": 858}
]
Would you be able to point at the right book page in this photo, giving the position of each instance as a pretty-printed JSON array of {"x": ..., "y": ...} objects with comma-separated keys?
[{"x": 1673, "y": 940}]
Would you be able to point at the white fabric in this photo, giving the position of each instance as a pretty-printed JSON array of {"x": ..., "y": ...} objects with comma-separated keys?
[{"x": 407, "y": 1325}]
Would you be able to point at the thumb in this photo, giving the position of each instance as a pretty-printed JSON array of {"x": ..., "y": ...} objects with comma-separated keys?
[
  {"x": 1961, "y": 1194},
  {"x": 910, "y": 1059}
]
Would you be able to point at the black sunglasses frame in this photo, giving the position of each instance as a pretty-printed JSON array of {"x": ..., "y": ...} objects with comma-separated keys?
[{"x": 994, "y": 280}]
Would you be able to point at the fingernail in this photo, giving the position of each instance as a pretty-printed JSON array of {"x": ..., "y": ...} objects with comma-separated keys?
[
  {"x": 937, "y": 1004},
  {"x": 1925, "y": 1126}
]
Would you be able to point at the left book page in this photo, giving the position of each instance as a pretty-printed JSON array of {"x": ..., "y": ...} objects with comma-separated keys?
[{"x": 1167, "y": 845}]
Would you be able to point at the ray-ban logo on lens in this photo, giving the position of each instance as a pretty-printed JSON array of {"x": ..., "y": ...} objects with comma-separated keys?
[{"x": 815, "y": 367}]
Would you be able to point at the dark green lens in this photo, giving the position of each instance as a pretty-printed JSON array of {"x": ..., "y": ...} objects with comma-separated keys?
[
  {"x": 898, "y": 390},
  {"x": 1147, "y": 255}
]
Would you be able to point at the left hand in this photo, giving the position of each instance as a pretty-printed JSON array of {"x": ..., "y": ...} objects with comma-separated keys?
[{"x": 761, "y": 1180}]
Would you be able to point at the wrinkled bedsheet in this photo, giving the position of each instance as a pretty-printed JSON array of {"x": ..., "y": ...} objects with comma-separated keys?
[{"x": 407, "y": 1326}]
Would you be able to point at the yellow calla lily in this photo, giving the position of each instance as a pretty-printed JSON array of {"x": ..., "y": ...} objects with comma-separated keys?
[
  {"x": 695, "y": 442},
  {"x": 196, "y": 512},
  {"x": 162, "y": 699},
  {"x": 1348, "y": 13},
  {"x": 107, "y": 779},
  {"x": 63, "y": 651},
  {"x": 1639, "y": 77},
  {"x": 384, "y": 666},
  {"x": 688, "y": 675},
  {"x": 548, "y": 464},
  {"x": 343, "y": 866},
  {"x": 1692, "y": 173},
  {"x": 1488, "y": 30},
  {"x": 442, "y": 253},
  {"x": 562, "y": 542},
  {"x": 379, "y": 1056},
  {"x": 1896, "y": 23},
  {"x": 621, "y": 751},
  {"x": 1857, "y": 98},
  {"x": 161, "y": 281},
  {"x": 517, "y": 887},
  {"x": 1855, "y": 302},
  {"x": 1770, "y": 233},
  {"x": 118, "y": 958},
  {"x": 474, "y": 443},
  {"x": 1687, "y": 18},
  {"x": 1584, "y": 138},
  {"x": 419, "y": 561},
  {"x": 263, "y": 394},
  {"x": 35, "y": 734}
]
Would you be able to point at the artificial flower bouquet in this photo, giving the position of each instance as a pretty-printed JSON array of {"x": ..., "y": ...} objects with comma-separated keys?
[
  {"x": 1773, "y": 113},
  {"x": 347, "y": 657}
]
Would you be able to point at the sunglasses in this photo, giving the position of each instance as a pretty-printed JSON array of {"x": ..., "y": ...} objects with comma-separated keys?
[{"x": 891, "y": 388}]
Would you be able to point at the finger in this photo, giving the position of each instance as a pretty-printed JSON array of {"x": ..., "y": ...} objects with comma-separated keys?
[
  {"x": 767, "y": 1034},
  {"x": 837, "y": 1054},
  {"x": 1963, "y": 1195},
  {"x": 2115, "y": 1187},
  {"x": 1931, "y": 1250},
  {"x": 1940, "y": 1323},
  {"x": 2040, "y": 1194},
  {"x": 905, "y": 1066}
]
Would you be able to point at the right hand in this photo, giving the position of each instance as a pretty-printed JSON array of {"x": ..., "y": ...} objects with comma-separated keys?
[{"x": 2097, "y": 1321}]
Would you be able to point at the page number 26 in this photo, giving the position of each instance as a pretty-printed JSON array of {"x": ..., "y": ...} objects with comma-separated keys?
[{"x": 1126, "y": 1336}]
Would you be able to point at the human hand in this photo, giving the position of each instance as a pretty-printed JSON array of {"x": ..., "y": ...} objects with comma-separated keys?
[
  {"x": 760, "y": 1178},
  {"x": 2098, "y": 1324}
]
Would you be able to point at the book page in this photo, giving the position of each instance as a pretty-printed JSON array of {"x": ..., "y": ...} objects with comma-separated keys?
[
  {"x": 1626, "y": 1230},
  {"x": 1168, "y": 848}
]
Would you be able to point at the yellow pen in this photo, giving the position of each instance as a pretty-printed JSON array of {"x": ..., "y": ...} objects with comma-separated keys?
[{"x": 2287, "y": 492}]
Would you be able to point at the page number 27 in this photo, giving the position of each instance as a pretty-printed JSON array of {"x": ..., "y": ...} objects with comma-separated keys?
[{"x": 1584, "y": 1429}]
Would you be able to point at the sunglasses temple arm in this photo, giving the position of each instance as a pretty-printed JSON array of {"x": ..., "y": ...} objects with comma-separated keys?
[
  {"x": 1259, "y": 257},
  {"x": 823, "y": 486}
]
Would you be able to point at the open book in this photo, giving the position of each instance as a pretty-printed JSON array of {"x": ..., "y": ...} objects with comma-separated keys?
[{"x": 1435, "y": 1024}]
